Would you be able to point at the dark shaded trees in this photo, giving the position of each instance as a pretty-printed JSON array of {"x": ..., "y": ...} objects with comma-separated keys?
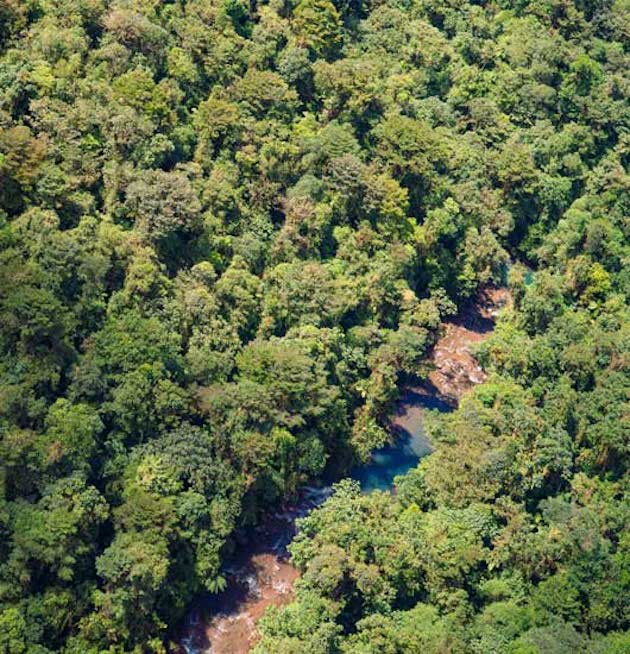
[{"x": 226, "y": 233}]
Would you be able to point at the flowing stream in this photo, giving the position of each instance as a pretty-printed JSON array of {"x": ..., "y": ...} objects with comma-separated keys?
[{"x": 260, "y": 575}]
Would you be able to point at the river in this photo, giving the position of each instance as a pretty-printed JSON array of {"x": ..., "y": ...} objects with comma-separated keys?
[{"x": 260, "y": 575}]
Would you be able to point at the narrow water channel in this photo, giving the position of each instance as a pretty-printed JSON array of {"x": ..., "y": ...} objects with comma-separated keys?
[{"x": 261, "y": 575}]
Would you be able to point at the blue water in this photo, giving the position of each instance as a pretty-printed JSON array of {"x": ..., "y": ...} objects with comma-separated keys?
[{"x": 409, "y": 443}]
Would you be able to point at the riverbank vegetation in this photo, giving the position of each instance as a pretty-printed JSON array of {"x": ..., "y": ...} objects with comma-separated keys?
[
  {"x": 227, "y": 230},
  {"x": 513, "y": 535}
]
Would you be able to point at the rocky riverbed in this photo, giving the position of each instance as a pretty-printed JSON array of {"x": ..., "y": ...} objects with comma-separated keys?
[{"x": 261, "y": 574}]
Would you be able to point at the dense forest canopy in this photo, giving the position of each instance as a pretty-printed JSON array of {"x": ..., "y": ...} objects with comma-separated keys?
[{"x": 228, "y": 229}]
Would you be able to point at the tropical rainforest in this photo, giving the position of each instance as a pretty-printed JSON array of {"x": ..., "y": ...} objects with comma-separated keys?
[{"x": 228, "y": 230}]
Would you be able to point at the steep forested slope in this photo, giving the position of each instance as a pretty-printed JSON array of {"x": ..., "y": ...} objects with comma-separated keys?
[{"x": 226, "y": 230}]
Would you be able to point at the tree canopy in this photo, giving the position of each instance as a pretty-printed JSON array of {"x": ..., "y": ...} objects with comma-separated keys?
[{"x": 228, "y": 230}]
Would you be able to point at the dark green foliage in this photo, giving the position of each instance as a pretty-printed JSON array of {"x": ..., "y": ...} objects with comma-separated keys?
[
  {"x": 512, "y": 536},
  {"x": 227, "y": 231}
]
